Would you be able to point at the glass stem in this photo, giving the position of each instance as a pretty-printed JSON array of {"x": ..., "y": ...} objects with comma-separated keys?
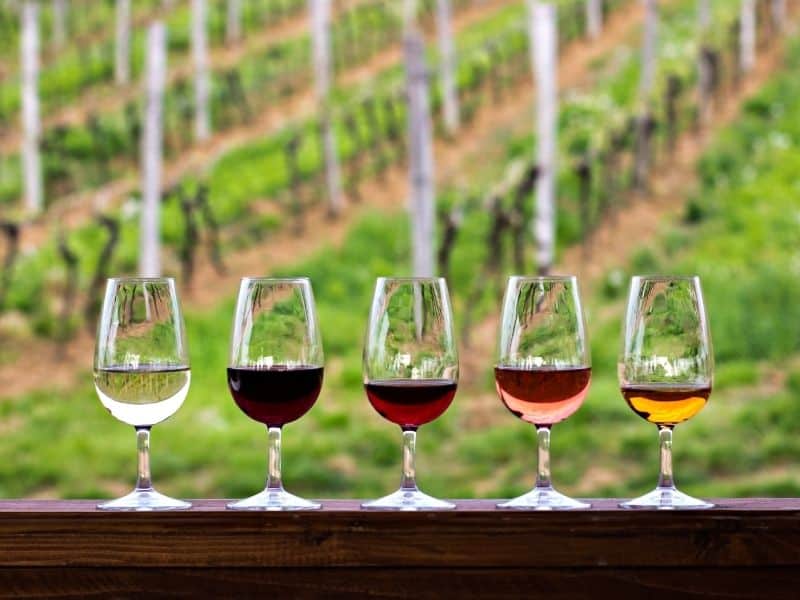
[
  {"x": 543, "y": 465},
  {"x": 409, "y": 478},
  {"x": 274, "y": 482},
  {"x": 665, "y": 445},
  {"x": 143, "y": 481}
]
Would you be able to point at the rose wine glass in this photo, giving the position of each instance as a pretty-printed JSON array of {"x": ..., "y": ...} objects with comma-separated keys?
[
  {"x": 666, "y": 369},
  {"x": 410, "y": 370},
  {"x": 275, "y": 370},
  {"x": 141, "y": 370},
  {"x": 543, "y": 369}
]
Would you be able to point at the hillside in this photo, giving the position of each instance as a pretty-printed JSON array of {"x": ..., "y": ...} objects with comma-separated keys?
[{"x": 717, "y": 206}]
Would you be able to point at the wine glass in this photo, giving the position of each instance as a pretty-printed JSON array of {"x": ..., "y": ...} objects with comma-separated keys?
[
  {"x": 141, "y": 370},
  {"x": 410, "y": 370},
  {"x": 543, "y": 369},
  {"x": 275, "y": 370},
  {"x": 666, "y": 369}
]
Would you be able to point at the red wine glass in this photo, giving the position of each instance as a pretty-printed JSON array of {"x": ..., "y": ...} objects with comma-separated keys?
[
  {"x": 275, "y": 370},
  {"x": 410, "y": 370},
  {"x": 543, "y": 369}
]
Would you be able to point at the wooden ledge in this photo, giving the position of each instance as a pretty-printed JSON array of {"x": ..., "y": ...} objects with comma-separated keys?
[{"x": 743, "y": 549}]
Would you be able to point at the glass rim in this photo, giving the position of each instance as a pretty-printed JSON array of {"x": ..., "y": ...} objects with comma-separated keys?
[
  {"x": 142, "y": 278},
  {"x": 542, "y": 278},
  {"x": 260, "y": 279},
  {"x": 412, "y": 279},
  {"x": 662, "y": 277}
]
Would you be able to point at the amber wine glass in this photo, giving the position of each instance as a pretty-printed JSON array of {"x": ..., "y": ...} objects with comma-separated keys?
[
  {"x": 141, "y": 370},
  {"x": 666, "y": 369},
  {"x": 410, "y": 370},
  {"x": 543, "y": 369}
]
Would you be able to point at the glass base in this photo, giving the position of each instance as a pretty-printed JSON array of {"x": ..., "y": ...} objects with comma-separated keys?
[
  {"x": 274, "y": 499},
  {"x": 145, "y": 500},
  {"x": 666, "y": 498},
  {"x": 408, "y": 499},
  {"x": 544, "y": 498}
]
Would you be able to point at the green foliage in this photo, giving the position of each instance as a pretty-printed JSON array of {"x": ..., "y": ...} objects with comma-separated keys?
[
  {"x": 732, "y": 374},
  {"x": 87, "y": 60},
  {"x": 743, "y": 244}
]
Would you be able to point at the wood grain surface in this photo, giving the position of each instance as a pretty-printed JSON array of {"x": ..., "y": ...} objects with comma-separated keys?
[{"x": 748, "y": 548}]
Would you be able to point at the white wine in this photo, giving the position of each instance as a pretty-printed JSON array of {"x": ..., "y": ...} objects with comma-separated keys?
[{"x": 143, "y": 396}]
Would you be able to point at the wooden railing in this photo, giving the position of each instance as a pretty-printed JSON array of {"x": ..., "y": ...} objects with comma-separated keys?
[{"x": 748, "y": 548}]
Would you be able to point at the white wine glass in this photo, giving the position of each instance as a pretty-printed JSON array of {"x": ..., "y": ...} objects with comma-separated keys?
[
  {"x": 141, "y": 371},
  {"x": 666, "y": 370}
]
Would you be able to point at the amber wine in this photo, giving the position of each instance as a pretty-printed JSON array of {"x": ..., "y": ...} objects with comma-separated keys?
[
  {"x": 666, "y": 403},
  {"x": 143, "y": 396}
]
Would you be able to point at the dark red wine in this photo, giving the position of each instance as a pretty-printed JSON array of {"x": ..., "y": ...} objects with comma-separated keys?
[
  {"x": 542, "y": 396},
  {"x": 275, "y": 395},
  {"x": 411, "y": 402}
]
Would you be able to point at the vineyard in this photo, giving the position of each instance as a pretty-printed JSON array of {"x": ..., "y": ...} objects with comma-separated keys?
[{"x": 675, "y": 155}]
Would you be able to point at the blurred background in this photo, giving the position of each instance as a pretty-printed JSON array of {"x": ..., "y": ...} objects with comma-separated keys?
[{"x": 277, "y": 137}]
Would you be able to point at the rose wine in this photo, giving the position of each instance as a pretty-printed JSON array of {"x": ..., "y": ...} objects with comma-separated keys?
[
  {"x": 542, "y": 396},
  {"x": 142, "y": 396},
  {"x": 411, "y": 402},
  {"x": 275, "y": 395},
  {"x": 666, "y": 403}
]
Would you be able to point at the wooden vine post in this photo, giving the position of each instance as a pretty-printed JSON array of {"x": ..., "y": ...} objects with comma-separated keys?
[
  {"x": 704, "y": 67},
  {"x": 543, "y": 33},
  {"x": 594, "y": 18},
  {"x": 122, "y": 47},
  {"x": 779, "y": 14},
  {"x": 233, "y": 22},
  {"x": 747, "y": 36},
  {"x": 703, "y": 15},
  {"x": 152, "y": 147},
  {"x": 646, "y": 85},
  {"x": 447, "y": 70},
  {"x": 60, "y": 8},
  {"x": 202, "y": 84},
  {"x": 649, "y": 51},
  {"x": 320, "y": 13},
  {"x": 31, "y": 118},
  {"x": 420, "y": 150}
]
